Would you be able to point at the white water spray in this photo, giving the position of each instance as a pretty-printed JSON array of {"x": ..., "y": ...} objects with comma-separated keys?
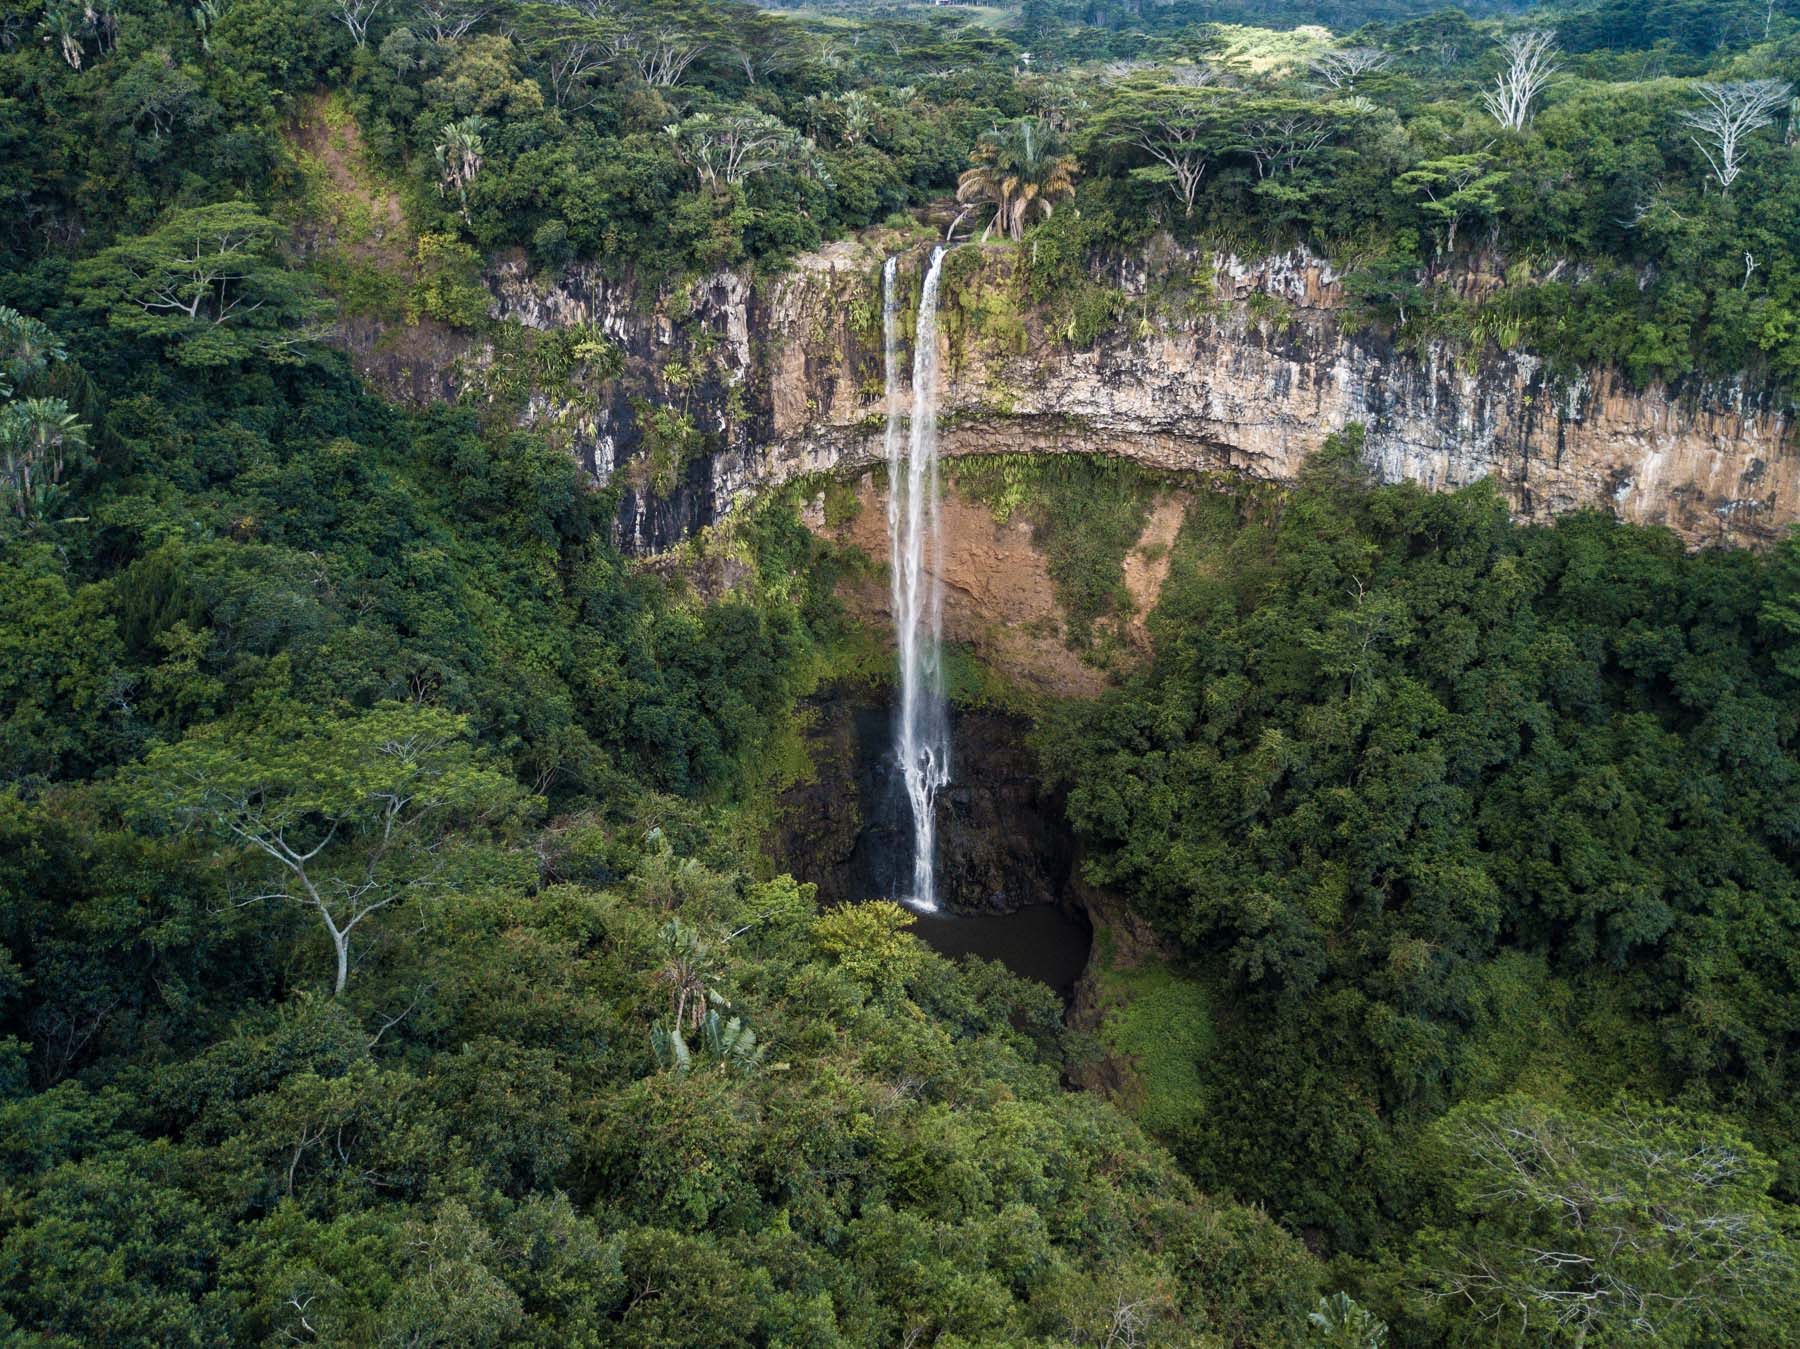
[{"x": 915, "y": 543}]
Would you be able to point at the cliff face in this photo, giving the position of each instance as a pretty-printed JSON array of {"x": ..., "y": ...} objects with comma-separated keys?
[
  {"x": 1003, "y": 841},
  {"x": 782, "y": 377},
  {"x": 999, "y": 599}
]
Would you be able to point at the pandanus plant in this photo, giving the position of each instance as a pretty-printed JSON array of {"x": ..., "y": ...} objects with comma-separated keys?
[
  {"x": 64, "y": 30},
  {"x": 732, "y": 1044},
  {"x": 459, "y": 159},
  {"x": 687, "y": 972},
  {"x": 38, "y": 438},
  {"x": 1021, "y": 170}
]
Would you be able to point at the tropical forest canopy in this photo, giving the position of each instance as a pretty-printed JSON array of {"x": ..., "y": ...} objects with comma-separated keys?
[{"x": 388, "y": 952}]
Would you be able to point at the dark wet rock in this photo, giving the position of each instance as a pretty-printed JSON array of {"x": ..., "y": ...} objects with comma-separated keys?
[{"x": 1003, "y": 841}]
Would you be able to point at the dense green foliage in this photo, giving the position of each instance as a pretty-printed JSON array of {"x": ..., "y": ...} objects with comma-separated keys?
[
  {"x": 665, "y": 139},
  {"x": 385, "y": 951},
  {"x": 1437, "y": 807},
  {"x": 304, "y": 693}
]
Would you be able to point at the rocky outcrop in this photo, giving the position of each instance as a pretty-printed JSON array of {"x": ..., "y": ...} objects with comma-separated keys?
[
  {"x": 998, "y": 596},
  {"x": 781, "y": 378}
]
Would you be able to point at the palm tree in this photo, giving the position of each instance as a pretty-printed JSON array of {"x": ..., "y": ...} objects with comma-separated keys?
[
  {"x": 459, "y": 159},
  {"x": 686, "y": 972},
  {"x": 37, "y": 438},
  {"x": 1022, "y": 170}
]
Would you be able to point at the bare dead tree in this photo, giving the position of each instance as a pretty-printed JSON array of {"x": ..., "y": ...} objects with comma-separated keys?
[
  {"x": 450, "y": 20},
  {"x": 1731, "y": 112},
  {"x": 1530, "y": 62},
  {"x": 1342, "y": 68},
  {"x": 356, "y": 15},
  {"x": 660, "y": 57}
]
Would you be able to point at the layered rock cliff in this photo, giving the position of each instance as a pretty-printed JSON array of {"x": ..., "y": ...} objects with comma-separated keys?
[{"x": 780, "y": 377}]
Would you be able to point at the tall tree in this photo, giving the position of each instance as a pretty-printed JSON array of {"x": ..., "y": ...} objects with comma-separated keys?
[
  {"x": 1342, "y": 67},
  {"x": 356, "y": 15},
  {"x": 1637, "y": 1224},
  {"x": 1454, "y": 189},
  {"x": 660, "y": 46},
  {"x": 1021, "y": 170},
  {"x": 573, "y": 46},
  {"x": 1181, "y": 129},
  {"x": 725, "y": 149},
  {"x": 450, "y": 20},
  {"x": 1280, "y": 134},
  {"x": 1528, "y": 62},
  {"x": 207, "y": 281},
  {"x": 344, "y": 818}
]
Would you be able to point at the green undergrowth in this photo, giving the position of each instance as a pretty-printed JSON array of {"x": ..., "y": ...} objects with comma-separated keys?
[
  {"x": 1160, "y": 1024},
  {"x": 1086, "y": 512},
  {"x": 971, "y": 683},
  {"x": 1224, "y": 555},
  {"x": 1056, "y": 274},
  {"x": 979, "y": 308},
  {"x": 766, "y": 558}
]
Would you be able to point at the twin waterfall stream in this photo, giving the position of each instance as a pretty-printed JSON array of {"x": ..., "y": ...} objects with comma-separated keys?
[{"x": 915, "y": 542}]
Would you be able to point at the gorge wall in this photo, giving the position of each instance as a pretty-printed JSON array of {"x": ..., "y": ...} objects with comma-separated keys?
[
  {"x": 1003, "y": 841},
  {"x": 781, "y": 377}
]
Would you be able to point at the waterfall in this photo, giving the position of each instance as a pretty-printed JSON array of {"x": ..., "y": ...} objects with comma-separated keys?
[{"x": 921, "y": 723}]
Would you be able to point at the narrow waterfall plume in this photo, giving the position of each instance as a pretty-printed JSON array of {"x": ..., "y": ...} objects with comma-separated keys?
[{"x": 921, "y": 724}]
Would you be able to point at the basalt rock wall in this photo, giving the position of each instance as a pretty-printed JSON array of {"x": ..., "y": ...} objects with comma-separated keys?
[
  {"x": 1246, "y": 371},
  {"x": 1003, "y": 841}
]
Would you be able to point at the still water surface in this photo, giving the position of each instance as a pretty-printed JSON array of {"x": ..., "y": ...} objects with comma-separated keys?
[{"x": 1041, "y": 942}]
